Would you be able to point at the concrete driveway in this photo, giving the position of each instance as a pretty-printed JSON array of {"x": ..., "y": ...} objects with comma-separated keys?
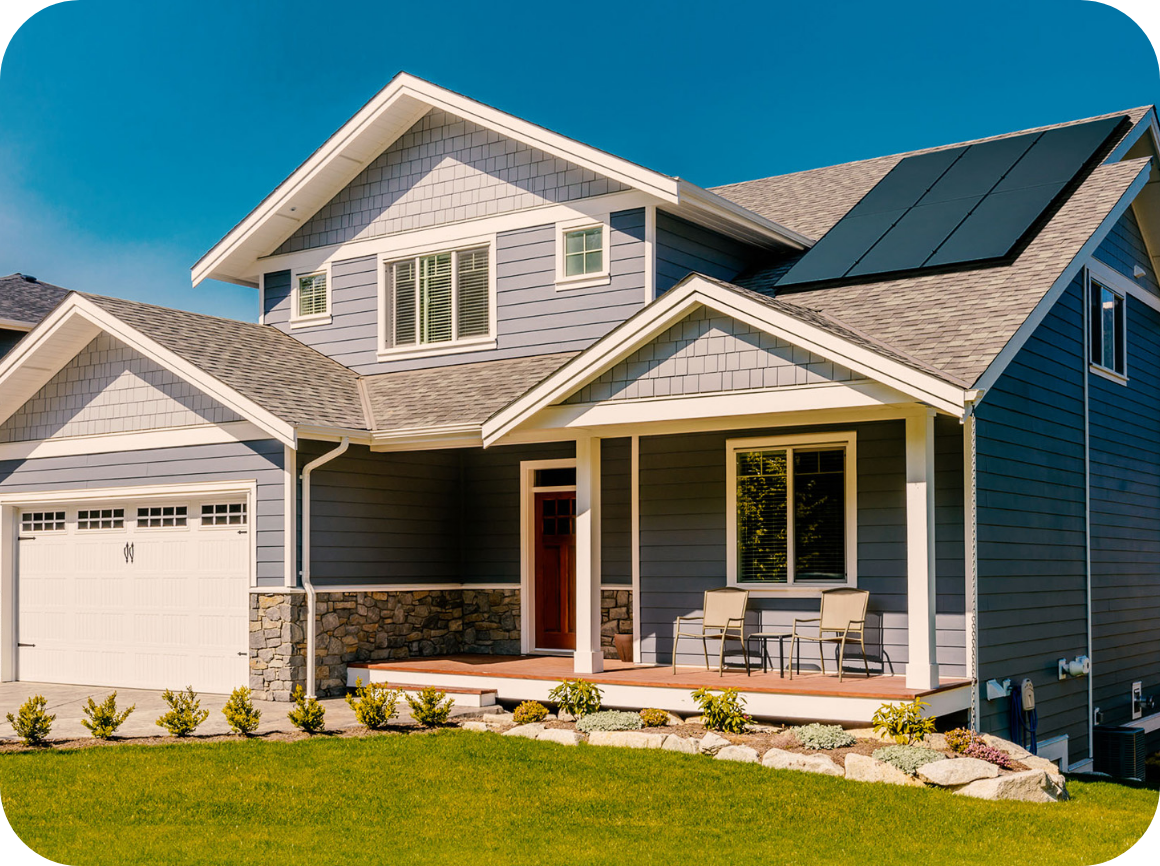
[{"x": 66, "y": 703}]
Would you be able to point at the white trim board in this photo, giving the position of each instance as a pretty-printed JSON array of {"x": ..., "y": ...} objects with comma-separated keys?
[
  {"x": 108, "y": 443},
  {"x": 527, "y": 545}
]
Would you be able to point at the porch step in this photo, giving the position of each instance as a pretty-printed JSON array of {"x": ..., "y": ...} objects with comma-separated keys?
[{"x": 460, "y": 696}]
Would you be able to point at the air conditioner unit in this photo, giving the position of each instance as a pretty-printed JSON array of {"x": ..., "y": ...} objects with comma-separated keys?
[{"x": 1120, "y": 752}]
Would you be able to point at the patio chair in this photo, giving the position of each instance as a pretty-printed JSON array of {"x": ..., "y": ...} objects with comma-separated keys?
[
  {"x": 842, "y": 618},
  {"x": 724, "y": 618}
]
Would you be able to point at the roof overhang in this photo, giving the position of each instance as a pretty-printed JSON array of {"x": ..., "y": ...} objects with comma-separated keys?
[
  {"x": 392, "y": 111},
  {"x": 695, "y": 291},
  {"x": 72, "y": 326}
]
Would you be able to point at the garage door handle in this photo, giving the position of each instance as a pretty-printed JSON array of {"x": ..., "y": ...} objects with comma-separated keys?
[
  {"x": 243, "y": 654},
  {"x": 26, "y": 644},
  {"x": 128, "y": 552}
]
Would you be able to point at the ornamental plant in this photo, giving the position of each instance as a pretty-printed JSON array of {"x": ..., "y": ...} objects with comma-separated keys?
[
  {"x": 240, "y": 713},
  {"x": 903, "y": 722},
  {"x": 817, "y": 736},
  {"x": 577, "y": 698},
  {"x": 609, "y": 720},
  {"x": 989, "y": 754},
  {"x": 723, "y": 712},
  {"x": 185, "y": 712},
  {"x": 654, "y": 718},
  {"x": 308, "y": 715},
  {"x": 374, "y": 704},
  {"x": 961, "y": 739},
  {"x": 32, "y": 722},
  {"x": 529, "y": 712},
  {"x": 103, "y": 719},
  {"x": 430, "y": 707},
  {"x": 907, "y": 758}
]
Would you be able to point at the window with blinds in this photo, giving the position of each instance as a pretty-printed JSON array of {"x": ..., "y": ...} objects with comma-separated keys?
[
  {"x": 791, "y": 515},
  {"x": 312, "y": 296},
  {"x": 438, "y": 298}
]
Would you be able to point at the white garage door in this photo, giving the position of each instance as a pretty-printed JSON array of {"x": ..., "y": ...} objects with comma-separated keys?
[{"x": 148, "y": 595}]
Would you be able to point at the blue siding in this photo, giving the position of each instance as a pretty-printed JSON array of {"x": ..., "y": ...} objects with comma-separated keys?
[
  {"x": 683, "y": 248},
  {"x": 1124, "y": 249}
]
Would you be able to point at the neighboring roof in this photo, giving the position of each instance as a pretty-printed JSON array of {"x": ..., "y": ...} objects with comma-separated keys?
[
  {"x": 464, "y": 394},
  {"x": 26, "y": 300}
]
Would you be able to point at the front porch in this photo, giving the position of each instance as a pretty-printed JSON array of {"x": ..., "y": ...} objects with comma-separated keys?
[{"x": 806, "y": 697}]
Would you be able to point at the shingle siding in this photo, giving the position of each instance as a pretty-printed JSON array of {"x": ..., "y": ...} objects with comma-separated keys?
[{"x": 683, "y": 248}]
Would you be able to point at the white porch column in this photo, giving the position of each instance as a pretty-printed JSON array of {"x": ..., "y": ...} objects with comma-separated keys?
[
  {"x": 922, "y": 667},
  {"x": 588, "y": 658}
]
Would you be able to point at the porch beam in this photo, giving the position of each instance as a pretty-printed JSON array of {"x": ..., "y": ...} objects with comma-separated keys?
[
  {"x": 588, "y": 657},
  {"x": 922, "y": 662}
]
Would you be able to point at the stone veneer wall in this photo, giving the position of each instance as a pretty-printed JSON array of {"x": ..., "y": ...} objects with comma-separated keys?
[
  {"x": 615, "y": 617},
  {"x": 277, "y": 644}
]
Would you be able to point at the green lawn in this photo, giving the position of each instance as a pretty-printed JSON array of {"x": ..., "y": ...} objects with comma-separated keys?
[{"x": 457, "y": 796}]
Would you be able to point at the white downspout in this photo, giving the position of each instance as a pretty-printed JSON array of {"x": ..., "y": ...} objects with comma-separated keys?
[{"x": 311, "y": 595}]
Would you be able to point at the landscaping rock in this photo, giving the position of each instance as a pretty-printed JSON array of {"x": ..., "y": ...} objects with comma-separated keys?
[
  {"x": 674, "y": 719},
  {"x": 779, "y": 759},
  {"x": 937, "y": 742},
  {"x": 953, "y": 772},
  {"x": 673, "y": 743},
  {"x": 530, "y": 732},
  {"x": 565, "y": 717},
  {"x": 475, "y": 726},
  {"x": 561, "y": 736},
  {"x": 741, "y": 754},
  {"x": 627, "y": 739},
  {"x": 1056, "y": 778},
  {"x": 1016, "y": 752},
  {"x": 500, "y": 719},
  {"x": 695, "y": 720},
  {"x": 712, "y": 743},
  {"x": 764, "y": 729},
  {"x": 862, "y": 768},
  {"x": 868, "y": 734},
  {"x": 1032, "y": 786}
]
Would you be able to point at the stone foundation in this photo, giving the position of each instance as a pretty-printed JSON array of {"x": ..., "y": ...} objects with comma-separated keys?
[
  {"x": 277, "y": 644},
  {"x": 615, "y": 617}
]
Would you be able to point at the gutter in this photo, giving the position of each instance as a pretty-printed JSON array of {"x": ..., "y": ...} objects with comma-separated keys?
[{"x": 311, "y": 594}]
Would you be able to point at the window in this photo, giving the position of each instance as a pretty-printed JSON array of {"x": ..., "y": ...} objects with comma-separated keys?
[
  {"x": 42, "y": 521},
  {"x": 101, "y": 518},
  {"x": 312, "y": 298},
  {"x": 792, "y": 504},
  {"x": 224, "y": 514},
  {"x": 559, "y": 476},
  {"x": 436, "y": 299},
  {"x": 158, "y": 516},
  {"x": 582, "y": 255},
  {"x": 1107, "y": 328}
]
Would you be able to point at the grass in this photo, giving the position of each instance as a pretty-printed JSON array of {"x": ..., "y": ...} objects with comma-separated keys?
[{"x": 463, "y": 797}]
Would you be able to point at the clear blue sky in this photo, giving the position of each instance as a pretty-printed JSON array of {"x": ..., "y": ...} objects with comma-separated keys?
[{"x": 133, "y": 135}]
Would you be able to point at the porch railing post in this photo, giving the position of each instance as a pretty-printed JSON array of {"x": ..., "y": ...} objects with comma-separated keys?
[
  {"x": 588, "y": 658},
  {"x": 922, "y": 664}
]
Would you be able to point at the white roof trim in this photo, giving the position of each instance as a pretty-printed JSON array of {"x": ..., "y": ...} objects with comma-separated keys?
[
  {"x": 72, "y": 326},
  {"x": 677, "y": 303},
  {"x": 392, "y": 111}
]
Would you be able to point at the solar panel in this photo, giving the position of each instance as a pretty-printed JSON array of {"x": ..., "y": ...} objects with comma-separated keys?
[{"x": 964, "y": 204}]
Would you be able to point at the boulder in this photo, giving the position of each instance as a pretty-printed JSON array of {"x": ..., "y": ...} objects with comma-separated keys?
[
  {"x": 561, "y": 736},
  {"x": 529, "y": 732},
  {"x": 1006, "y": 746},
  {"x": 779, "y": 759},
  {"x": 937, "y": 742},
  {"x": 475, "y": 726},
  {"x": 627, "y": 739},
  {"x": 674, "y": 719},
  {"x": 695, "y": 720},
  {"x": 741, "y": 754},
  {"x": 1032, "y": 786},
  {"x": 953, "y": 772},
  {"x": 673, "y": 743},
  {"x": 1056, "y": 778},
  {"x": 763, "y": 729},
  {"x": 863, "y": 768},
  {"x": 712, "y": 743},
  {"x": 868, "y": 734}
]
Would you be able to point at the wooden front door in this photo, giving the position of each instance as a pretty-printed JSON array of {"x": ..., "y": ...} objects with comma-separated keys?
[{"x": 555, "y": 584}]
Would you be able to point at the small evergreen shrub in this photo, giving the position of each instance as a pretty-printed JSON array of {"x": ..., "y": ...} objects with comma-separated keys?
[
  {"x": 817, "y": 736},
  {"x": 609, "y": 720},
  {"x": 374, "y": 704},
  {"x": 961, "y": 739},
  {"x": 32, "y": 722},
  {"x": 529, "y": 712},
  {"x": 578, "y": 698},
  {"x": 185, "y": 712},
  {"x": 907, "y": 758},
  {"x": 430, "y": 707},
  {"x": 240, "y": 713},
  {"x": 308, "y": 715},
  {"x": 723, "y": 712},
  {"x": 653, "y": 718},
  {"x": 103, "y": 719},
  {"x": 904, "y": 722},
  {"x": 989, "y": 754}
]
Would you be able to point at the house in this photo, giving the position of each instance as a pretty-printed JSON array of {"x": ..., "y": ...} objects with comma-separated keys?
[
  {"x": 510, "y": 396},
  {"x": 24, "y": 301}
]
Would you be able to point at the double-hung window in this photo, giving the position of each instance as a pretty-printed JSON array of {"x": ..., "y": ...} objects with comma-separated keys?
[
  {"x": 311, "y": 298},
  {"x": 792, "y": 511},
  {"x": 442, "y": 298},
  {"x": 1108, "y": 339}
]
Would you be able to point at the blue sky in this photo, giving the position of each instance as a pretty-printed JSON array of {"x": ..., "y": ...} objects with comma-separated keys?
[{"x": 136, "y": 134}]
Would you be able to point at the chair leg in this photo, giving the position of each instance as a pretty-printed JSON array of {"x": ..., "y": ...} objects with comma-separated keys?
[
  {"x": 822, "y": 656},
  {"x": 841, "y": 659},
  {"x": 705, "y": 647},
  {"x": 792, "y": 646},
  {"x": 675, "y": 637},
  {"x": 721, "y": 657},
  {"x": 865, "y": 660},
  {"x": 745, "y": 652}
]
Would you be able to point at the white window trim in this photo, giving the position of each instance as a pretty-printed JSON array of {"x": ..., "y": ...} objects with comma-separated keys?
[
  {"x": 1093, "y": 279},
  {"x": 584, "y": 281},
  {"x": 480, "y": 343},
  {"x": 846, "y": 438},
  {"x": 317, "y": 319}
]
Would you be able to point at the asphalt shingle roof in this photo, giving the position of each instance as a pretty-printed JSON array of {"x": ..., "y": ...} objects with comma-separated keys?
[{"x": 28, "y": 301}]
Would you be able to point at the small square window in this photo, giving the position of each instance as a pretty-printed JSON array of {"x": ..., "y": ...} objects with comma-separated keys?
[
  {"x": 584, "y": 252},
  {"x": 42, "y": 521},
  {"x": 101, "y": 518},
  {"x": 224, "y": 514},
  {"x": 160, "y": 516},
  {"x": 313, "y": 298}
]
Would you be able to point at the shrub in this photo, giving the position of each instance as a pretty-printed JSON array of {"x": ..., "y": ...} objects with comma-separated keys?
[
  {"x": 529, "y": 712},
  {"x": 903, "y": 723},
  {"x": 185, "y": 712},
  {"x": 577, "y": 698},
  {"x": 817, "y": 736},
  {"x": 989, "y": 754},
  {"x": 654, "y": 718},
  {"x": 723, "y": 712},
  {"x": 907, "y": 758},
  {"x": 374, "y": 704},
  {"x": 240, "y": 713},
  {"x": 960, "y": 739},
  {"x": 103, "y": 718},
  {"x": 308, "y": 716},
  {"x": 32, "y": 723},
  {"x": 430, "y": 707},
  {"x": 609, "y": 720}
]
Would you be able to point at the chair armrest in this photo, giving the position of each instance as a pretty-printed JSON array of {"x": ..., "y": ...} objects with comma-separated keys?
[{"x": 796, "y": 620}]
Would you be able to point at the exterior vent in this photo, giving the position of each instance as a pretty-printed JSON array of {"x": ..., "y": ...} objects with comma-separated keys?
[{"x": 1120, "y": 752}]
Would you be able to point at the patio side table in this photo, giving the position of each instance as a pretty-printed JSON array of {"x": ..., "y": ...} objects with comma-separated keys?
[{"x": 763, "y": 638}]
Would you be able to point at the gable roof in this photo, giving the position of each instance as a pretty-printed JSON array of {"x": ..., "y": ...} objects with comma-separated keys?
[
  {"x": 393, "y": 110},
  {"x": 25, "y": 300}
]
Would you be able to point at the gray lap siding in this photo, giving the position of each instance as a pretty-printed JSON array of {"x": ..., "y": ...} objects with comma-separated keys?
[
  {"x": 261, "y": 461},
  {"x": 683, "y": 248}
]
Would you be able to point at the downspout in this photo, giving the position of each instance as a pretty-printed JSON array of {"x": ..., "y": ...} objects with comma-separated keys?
[
  {"x": 971, "y": 539},
  {"x": 311, "y": 595},
  {"x": 1085, "y": 362}
]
